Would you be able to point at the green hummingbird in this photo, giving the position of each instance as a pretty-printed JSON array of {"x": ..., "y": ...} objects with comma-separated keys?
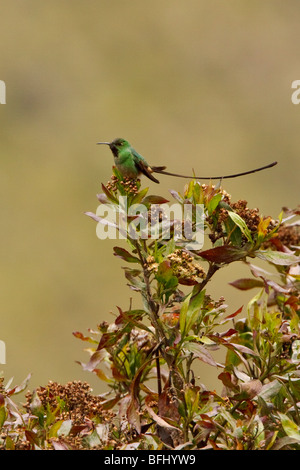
[{"x": 131, "y": 164}]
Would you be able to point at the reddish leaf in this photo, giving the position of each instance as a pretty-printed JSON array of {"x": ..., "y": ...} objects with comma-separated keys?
[
  {"x": 229, "y": 332},
  {"x": 32, "y": 437},
  {"x": 246, "y": 284},
  {"x": 79, "y": 335},
  {"x": 125, "y": 255},
  {"x": 232, "y": 315},
  {"x": 187, "y": 282},
  {"x": 223, "y": 254},
  {"x": 133, "y": 415},
  {"x": 233, "y": 346},
  {"x": 154, "y": 200},
  {"x": 168, "y": 408},
  {"x": 250, "y": 389},
  {"x": 160, "y": 421},
  {"x": 226, "y": 379}
]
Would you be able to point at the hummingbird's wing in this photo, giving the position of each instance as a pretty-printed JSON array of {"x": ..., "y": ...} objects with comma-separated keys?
[{"x": 143, "y": 166}]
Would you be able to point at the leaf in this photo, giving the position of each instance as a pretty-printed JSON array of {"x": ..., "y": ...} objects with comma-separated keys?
[
  {"x": 250, "y": 389},
  {"x": 233, "y": 346},
  {"x": 176, "y": 195},
  {"x": 232, "y": 230},
  {"x": 214, "y": 202},
  {"x": 9, "y": 443},
  {"x": 246, "y": 284},
  {"x": 270, "y": 390},
  {"x": 263, "y": 226},
  {"x": 125, "y": 255},
  {"x": 133, "y": 415},
  {"x": 165, "y": 276},
  {"x": 19, "y": 388},
  {"x": 276, "y": 257},
  {"x": 100, "y": 220},
  {"x": 110, "y": 196},
  {"x": 32, "y": 437},
  {"x": 284, "y": 441},
  {"x": 79, "y": 335},
  {"x": 100, "y": 374},
  {"x": 92, "y": 440},
  {"x": 241, "y": 224},
  {"x": 223, "y": 254},
  {"x": 226, "y": 379},
  {"x": 54, "y": 428},
  {"x": 59, "y": 445},
  {"x": 65, "y": 428},
  {"x": 154, "y": 200},
  {"x": 2, "y": 415},
  {"x": 96, "y": 357},
  {"x": 139, "y": 196},
  {"x": 102, "y": 198},
  {"x": 232, "y": 315},
  {"x": 190, "y": 309},
  {"x": 290, "y": 428},
  {"x": 160, "y": 421},
  {"x": 200, "y": 352}
]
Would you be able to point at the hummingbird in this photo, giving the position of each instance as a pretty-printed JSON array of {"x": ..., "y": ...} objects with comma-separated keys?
[{"x": 131, "y": 164}]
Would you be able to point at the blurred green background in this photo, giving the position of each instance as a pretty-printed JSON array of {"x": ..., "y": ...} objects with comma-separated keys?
[{"x": 195, "y": 84}]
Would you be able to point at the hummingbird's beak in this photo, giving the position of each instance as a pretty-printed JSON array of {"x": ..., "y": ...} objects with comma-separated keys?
[{"x": 104, "y": 143}]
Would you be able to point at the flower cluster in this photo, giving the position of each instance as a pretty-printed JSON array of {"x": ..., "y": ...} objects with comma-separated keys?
[
  {"x": 126, "y": 185},
  {"x": 78, "y": 402},
  {"x": 184, "y": 267}
]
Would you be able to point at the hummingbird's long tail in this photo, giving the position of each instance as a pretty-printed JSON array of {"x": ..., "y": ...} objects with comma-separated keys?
[{"x": 159, "y": 169}]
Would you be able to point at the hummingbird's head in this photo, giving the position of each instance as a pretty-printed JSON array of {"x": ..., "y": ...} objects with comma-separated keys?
[{"x": 116, "y": 145}]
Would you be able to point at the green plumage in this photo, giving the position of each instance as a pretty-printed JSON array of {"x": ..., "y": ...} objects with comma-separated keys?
[{"x": 131, "y": 164}]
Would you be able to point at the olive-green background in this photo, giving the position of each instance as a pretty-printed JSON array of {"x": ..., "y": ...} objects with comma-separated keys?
[{"x": 191, "y": 84}]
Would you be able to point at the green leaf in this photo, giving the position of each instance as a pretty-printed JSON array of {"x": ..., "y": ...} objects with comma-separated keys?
[
  {"x": 233, "y": 232},
  {"x": 290, "y": 428},
  {"x": 2, "y": 415},
  {"x": 270, "y": 390},
  {"x": 92, "y": 440},
  {"x": 165, "y": 276},
  {"x": 213, "y": 203},
  {"x": 190, "y": 309},
  {"x": 54, "y": 428},
  {"x": 277, "y": 257},
  {"x": 241, "y": 224},
  {"x": 109, "y": 195},
  {"x": 137, "y": 198}
]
